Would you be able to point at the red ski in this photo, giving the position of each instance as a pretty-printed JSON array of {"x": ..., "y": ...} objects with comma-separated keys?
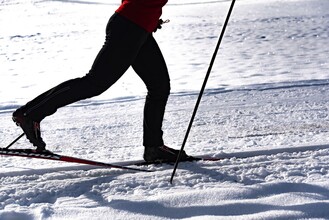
[{"x": 29, "y": 153}]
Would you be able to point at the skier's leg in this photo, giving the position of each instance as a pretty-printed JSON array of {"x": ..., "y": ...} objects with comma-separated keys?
[
  {"x": 123, "y": 41},
  {"x": 151, "y": 67}
]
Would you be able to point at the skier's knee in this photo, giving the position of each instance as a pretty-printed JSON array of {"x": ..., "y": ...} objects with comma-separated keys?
[{"x": 160, "y": 92}]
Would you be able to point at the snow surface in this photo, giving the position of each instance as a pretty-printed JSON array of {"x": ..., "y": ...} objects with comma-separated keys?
[{"x": 265, "y": 111}]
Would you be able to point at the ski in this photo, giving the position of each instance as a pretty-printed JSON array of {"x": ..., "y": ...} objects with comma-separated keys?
[
  {"x": 29, "y": 153},
  {"x": 148, "y": 163}
]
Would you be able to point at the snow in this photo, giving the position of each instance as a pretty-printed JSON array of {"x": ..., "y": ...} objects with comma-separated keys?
[{"x": 265, "y": 112}]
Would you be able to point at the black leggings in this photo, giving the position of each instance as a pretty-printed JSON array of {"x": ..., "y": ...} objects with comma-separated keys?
[{"x": 126, "y": 45}]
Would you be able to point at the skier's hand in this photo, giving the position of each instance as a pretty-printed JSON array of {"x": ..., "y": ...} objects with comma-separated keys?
[{"x": 160, "y": 23}]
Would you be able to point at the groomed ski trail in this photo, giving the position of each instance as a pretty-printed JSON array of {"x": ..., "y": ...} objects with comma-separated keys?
[{"x": 255, "y": 177}]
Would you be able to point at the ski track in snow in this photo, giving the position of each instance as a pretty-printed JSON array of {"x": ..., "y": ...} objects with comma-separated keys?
[{"x": 265, "y": 111}]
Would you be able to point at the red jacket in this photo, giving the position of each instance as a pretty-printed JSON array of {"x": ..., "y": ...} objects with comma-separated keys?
[{"x": 145, "y": 13}]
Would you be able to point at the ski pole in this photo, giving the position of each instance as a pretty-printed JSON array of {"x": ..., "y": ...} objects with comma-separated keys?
[
  {"x": 202, "y": 90},
  {"x": 14, "y": 141}
]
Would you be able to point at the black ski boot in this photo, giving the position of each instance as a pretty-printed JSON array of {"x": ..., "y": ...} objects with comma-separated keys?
[
  {"x": 31, "y": 129},
  {"x": 164, "y": 154}
]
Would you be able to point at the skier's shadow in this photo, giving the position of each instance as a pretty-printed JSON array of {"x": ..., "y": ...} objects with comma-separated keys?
[
  {"x": 239, "y": 206},
  {"x": 210, "y": 171}
]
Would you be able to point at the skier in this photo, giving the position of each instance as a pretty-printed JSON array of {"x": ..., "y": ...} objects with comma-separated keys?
[{"x": 128, "y": 42}]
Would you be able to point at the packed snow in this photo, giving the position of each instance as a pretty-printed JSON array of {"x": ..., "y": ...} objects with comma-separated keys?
[{"x": 264, "y": 111}]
